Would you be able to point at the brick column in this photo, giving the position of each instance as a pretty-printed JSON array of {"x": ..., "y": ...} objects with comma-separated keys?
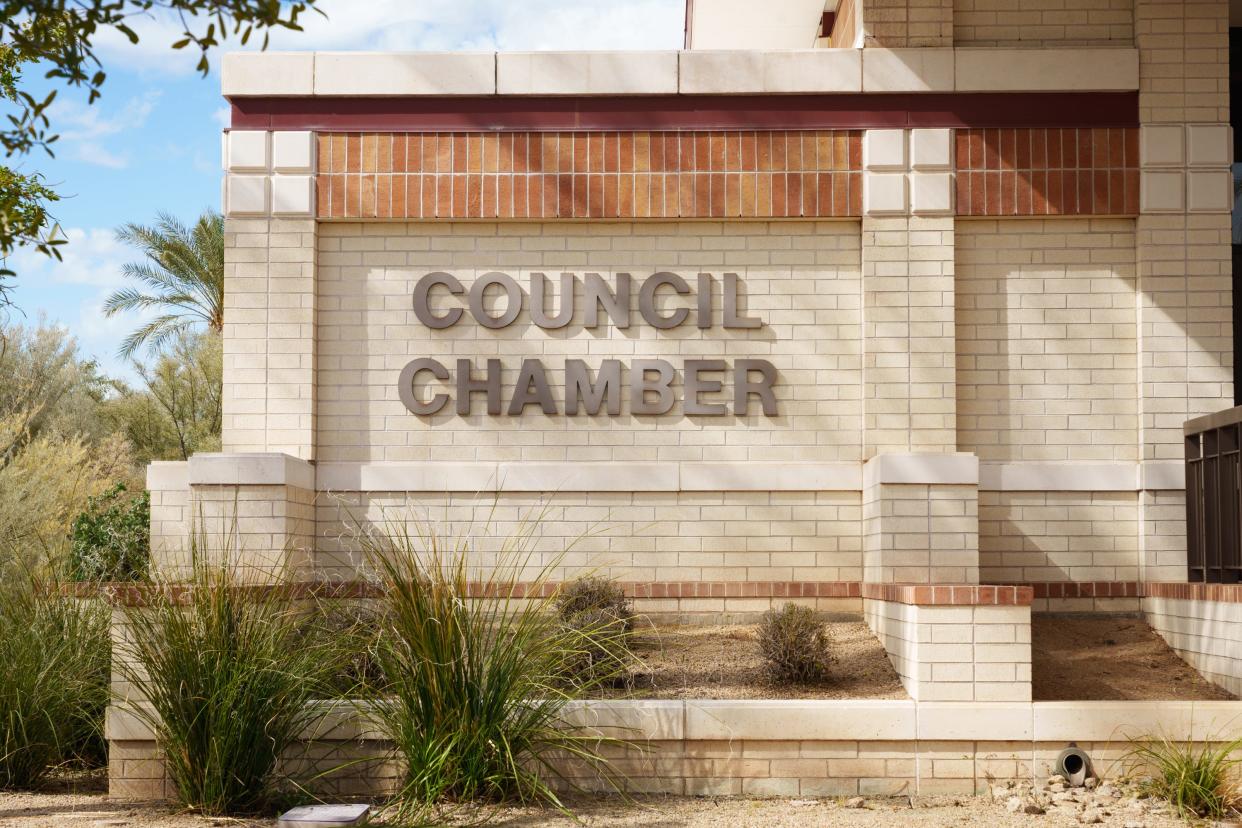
[
  {"x": 269, "y": 289},
  {"x": 1183, "y": 252}
]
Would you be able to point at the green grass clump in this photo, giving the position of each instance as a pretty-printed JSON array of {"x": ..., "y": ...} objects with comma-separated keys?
[
  {"x": 229, "y": 674},
  {"x": 475, "y": 702},
  {"x": 1197, "y": 780},
  {"x": 53, "y": 678}
]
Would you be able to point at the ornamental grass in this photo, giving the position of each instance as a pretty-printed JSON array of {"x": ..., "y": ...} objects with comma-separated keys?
[{"x": 476, "y": 702}]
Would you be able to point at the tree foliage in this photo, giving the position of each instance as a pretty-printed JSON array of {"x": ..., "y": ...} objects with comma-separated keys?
[
  {"x": 58, "y": 37},
  {"x": 183, "y": 276}
]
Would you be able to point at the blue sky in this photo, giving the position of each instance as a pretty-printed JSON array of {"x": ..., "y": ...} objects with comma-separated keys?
[{"x": 152, "y": 142}]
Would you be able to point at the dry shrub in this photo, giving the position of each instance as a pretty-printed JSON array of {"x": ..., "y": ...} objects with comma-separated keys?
[
  {"x": 794, "y": 644},
  {"x": 597, "y": 611},
  {"x": 1196, "y": 780}
]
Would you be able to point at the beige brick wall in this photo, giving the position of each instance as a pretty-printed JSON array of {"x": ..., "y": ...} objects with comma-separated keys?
[
  {"x": 908, "y": 284},
  {"x": 1047, "y": 339},
  {"x": 919, "y": 533},
  {"x": 639, "y": 536},
  {"x": 801, "y": 278},
  {"x": 1029, "y": 537},
  {"x": 1205, "y": 633},
  {"x": 1043, "y": 23},
  {"x": 1183, "y": 60},
  {"x": 269, "y": 331},
  {"x": 896, "y": 24},
  {"x": 956, "y": 653}
]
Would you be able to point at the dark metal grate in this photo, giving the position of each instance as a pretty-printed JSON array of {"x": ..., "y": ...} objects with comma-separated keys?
[{"x": 1214, "y": 498}]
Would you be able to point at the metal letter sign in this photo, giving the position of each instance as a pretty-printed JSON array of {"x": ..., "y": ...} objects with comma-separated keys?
[{"x": 664, "y": 302}]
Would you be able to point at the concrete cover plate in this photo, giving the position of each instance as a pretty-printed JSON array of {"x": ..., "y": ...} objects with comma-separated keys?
[{"x": 324, "y": 816}]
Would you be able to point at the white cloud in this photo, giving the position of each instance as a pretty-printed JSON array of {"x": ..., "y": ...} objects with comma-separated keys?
[
  {"x": 425, "y": 25},
  {"x": 92, "y": 256},
  {"x": 84, "y": 127}
]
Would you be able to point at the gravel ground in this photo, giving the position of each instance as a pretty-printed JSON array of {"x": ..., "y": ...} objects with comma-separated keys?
[
  {"x": 723, "y": 662},
  {"x": 80, "y": 803}
]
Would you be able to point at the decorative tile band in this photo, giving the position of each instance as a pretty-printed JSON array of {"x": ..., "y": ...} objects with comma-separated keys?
[
  {"x": 1088, "y": 589},
  {"x": 699, "y": 174},
  {"x": 950, "y": 594},
  {"x": 1047, "y": 171}
]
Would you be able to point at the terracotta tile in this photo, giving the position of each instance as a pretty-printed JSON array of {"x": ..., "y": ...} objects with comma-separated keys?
[
  {"x": 443, "y": 187},
  {"x": 1131, "y": 202},
  {"x": 474, "y": 153},
  {"x": 642, "y": 151},
  {"x": 686, "y": 190},
  {"x": 578, "y": 156},
  {"x": 1099, "y": 147},
  {"x": 1039, "y": 148},
  {"x": 700, "y": 205},
  {"x": 579, "y": 194},
  {"x": 595, "y": 195},
  {"x": 366, "y": 198},
  {"x": 991, "y": 149},
  {"x": 1116, "y": 192},
  {"x": 443, "y": 148},
  {"x": 489, "y": 152},
  {"x": 1008, "y": 148},
  {"x": 512, "y": 196},
  {"x": 1086, "y": 158},
  {"x": 1130, "y": 141},
  {"x": 370, "y": 152},
  {"x": 625, "y": 152},
  {"x": 612, "y": 195},
  {"x": 595, "y": 152},
  {"x": 763, "y": 194},
  {"x": 384, "y": 145},
  {"x": 855, "y": 179},
  {"x": 823, "y": 195},
  {"x": 780, "y": 195},
  {"x": 700, "y": 159},
  {"x": 961, "y": 149},
  {"x": 1037, "y": 183},
  {"x": 555, "y": 199},
  {"x": 1099, "y": 186},
  {"x": 1116, "y": 147},
  {"x": 763, "y": 151},
  {"x": 1023, "y": 196},
  {"x": 747, "y": 187},
  {"x": 425, "y": 146},
  {"x": 625, "y": 195},
  {"x": 1008, "y": 193},
  {"x": 733, "y": 194},
  {"x": 487, "y": 205},
  {"x": 460, "y": 144},
  {"x": 823, "y": 150},
  {"x": 1053, "y": 193},
  {"x": 780, "y": 152},
  {"x": 473, "y": 196},
  {"x": 658, "y": 146},
  {"x": 429, "y": 193},
  {"x": 383, "y": 196},
  {"x": 715, "y": 160},
  {"x": 748, "y": 151},
  {"x": 642, "y": 196},
  {"x": 323, "y": 153},
  {"x": 962, "y": 196},
  {"x": 1086, "y": 192},
  {"x": 334, "y": 188},
  {"x": 854, "y": 144},
  {"x": 993, "y": 193},
  {"x": 793, "y": 152},
  {"x": 733, "y": 151},
  {"x": 1054, "y": 143},
  {"x": 685, "y": 142},
  {"x": 793, "y": 194},
  {"x": 353, "y": 153},
  {"x": 665, "y": 198},
  {"x": 1023, "y": 158}
]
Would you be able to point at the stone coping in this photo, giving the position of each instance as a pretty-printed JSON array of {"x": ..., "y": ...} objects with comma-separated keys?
[
  {"x": 695, "y": 72},
  {"x": 938, "y": 595},
  {"x": 831, "y": 720},
  {"x": 542, "y": 477}
]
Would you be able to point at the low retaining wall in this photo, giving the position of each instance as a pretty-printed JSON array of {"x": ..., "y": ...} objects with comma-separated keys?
[
  {"x": 743, "y": 747},
  {"x": 1203, "y": 624}
]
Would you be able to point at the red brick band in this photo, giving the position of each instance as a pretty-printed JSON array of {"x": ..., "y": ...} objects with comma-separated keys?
[
  {"x": 1088, "y": 589},
  {"x": 1047, "y": 172},
  {"x": 950, "y": 595},
  {"x": 1224, "y": 593},
  {"x": 618, "y": 175}
]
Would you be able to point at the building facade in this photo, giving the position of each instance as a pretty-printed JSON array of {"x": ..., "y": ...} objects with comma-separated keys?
[{"x": 896, "y": 308}]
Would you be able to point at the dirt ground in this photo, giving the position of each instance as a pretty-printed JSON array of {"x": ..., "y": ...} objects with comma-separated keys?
[
  {"x": 93, "y": 810},
  {"x": 1109, "y": 658},
  {"x": 723, "y": 662}
]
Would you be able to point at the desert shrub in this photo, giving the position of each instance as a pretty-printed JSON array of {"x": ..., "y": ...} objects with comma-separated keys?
[
  {"x": 228, "y": 671},
  {"x": 794, "y": 644},
  {"x": 54, "y": 681},
  {"x": 111, "y": 539},
  {"x": 355, "y": 629},
  {"x": 596, "y": 595},
  {"x": 475, "y": 703},
  {"x": 1196, "y": 780}
]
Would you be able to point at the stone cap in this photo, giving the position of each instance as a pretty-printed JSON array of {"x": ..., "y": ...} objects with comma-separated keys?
[{"x": 739, "y": 72}]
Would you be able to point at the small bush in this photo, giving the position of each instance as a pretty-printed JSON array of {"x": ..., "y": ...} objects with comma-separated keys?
[
  {"x": 111, "y": 540},
  {"x": 794, "y": 644},
  {"x": 595, "y": 595},
  {"x": 355, "y": 629},
  {"x": 229, "y": 672},
  {"x": 54, "y": 681},
  {"x": 1197, "y": 780},
  {"x": 475, "y": 703}
]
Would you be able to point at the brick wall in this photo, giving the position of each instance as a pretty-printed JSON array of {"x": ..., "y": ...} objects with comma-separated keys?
[
  {"x": 894, "y": 24},
  {"x": 1046, "y": 340},
  {"x": 632, "y": 536},
  {"x": 1031, "y": 537},
  {"x": 801, "y": 279},
  {"x": 1036, "y": 23}
]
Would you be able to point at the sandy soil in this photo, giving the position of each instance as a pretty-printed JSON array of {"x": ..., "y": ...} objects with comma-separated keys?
[
  {"x": 68, "y": 810},
  {"x": 723, "y": 662},
  {"x": 1109, "y": 658}
]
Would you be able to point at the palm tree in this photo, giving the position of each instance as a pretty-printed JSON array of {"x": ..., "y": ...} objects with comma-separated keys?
[{"x": 184, "y": 271}]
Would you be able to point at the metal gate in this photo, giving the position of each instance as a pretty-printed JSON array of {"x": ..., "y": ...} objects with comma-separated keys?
[{"x": 1214, "y": 498}]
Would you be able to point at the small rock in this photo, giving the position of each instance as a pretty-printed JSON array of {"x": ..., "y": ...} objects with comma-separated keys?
[
  {"x": 1134, "y": 824},
  {"x": 803, "y": 803},
  {"x": 855, "y": 802},
  {"x": 1014, "y": 804},
  {"x": 1107, "y": 790},
  {"x": 1056, "y": 779},
  {"x": 1091, "y": 816},
  {"x": 1033, "y": 808},
  {"x": 1090, "y": 783}
]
